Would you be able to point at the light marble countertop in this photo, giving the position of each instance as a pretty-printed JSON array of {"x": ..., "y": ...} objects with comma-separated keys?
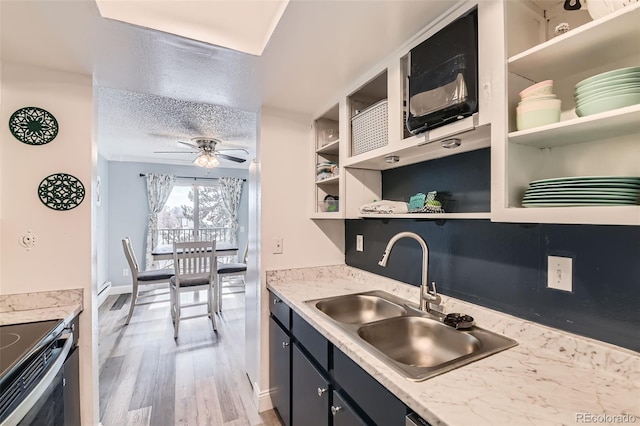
[
  {"x": 550, "y": 378},
  {"x": 40, "y": 306}
]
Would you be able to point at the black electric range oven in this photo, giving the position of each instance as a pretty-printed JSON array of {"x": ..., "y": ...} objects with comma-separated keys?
[{"x": 39, "y": 382}]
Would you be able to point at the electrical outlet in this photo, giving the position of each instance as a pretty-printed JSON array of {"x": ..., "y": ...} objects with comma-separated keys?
[
  {"x": 277, "y": 245},
  {"x": 560, "y": 273},
  {"x": 359, "y": 243},
  {"x": 125, "y": 272}
]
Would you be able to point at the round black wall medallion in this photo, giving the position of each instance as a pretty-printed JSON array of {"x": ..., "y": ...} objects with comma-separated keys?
[
  {"x": 61, "y": 191},
  {"x": 33, "y": 126}
]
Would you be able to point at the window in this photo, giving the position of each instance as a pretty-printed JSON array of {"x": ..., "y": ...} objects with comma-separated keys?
[{"x": 194, "y": 211}]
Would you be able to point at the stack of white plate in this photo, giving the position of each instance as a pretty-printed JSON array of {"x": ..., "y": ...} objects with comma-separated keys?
[
  {"x": 583, "y": 191},
  {"x": 608, "y": 91}
]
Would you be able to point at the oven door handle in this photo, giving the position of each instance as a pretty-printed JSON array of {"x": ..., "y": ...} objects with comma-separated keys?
[{"x": 21, "y": 410}]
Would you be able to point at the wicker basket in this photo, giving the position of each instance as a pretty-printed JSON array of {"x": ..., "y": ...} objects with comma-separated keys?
[{"x": 369, "y": 128}]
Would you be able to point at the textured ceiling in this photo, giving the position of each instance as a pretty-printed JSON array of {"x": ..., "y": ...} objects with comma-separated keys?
[{"x": 137, "y": 124}]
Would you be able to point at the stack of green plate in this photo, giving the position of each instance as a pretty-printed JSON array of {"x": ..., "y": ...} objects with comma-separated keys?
[
  {"x": 608, "y": 91},
  {"x": 583, "y": 191}
]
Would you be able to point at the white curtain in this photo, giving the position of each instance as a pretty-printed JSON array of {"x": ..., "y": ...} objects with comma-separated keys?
[
  {"x": 158, "y": 189},
  {"x": 230, "y": 191}
]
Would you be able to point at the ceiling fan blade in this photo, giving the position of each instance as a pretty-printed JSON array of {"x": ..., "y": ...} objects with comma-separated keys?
[
  {"x": 229, "y": 157},
  {"x": 233, "y": 149},
  {"x": 188, "y": 144}
]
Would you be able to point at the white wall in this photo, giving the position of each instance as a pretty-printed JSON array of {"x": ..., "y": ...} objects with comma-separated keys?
[
  {"x": 1, "y": 157},
  {"x": 62, "y": 256},
  {"x": 286, "y": 176},
  {"x": 287, "y": 182}
]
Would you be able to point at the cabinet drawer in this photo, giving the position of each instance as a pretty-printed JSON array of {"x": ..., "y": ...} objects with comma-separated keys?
[
  {"x": 280, "y": 310},
  {"x": 311, "y": 339},
  {"x": 373, "y": 398}
]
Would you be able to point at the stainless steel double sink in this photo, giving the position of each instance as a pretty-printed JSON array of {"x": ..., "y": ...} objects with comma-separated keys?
[{"x": 417, "y": 344}]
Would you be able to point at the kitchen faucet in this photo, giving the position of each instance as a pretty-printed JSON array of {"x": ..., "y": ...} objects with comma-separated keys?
[{"x": 426, "y": 296}]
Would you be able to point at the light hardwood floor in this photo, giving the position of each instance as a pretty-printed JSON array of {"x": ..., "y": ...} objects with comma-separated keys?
[{"x": 148, "y": 378}]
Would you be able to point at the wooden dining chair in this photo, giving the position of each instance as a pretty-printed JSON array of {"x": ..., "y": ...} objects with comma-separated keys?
[
  {"x": 227, "y": 270},
  {"x": 195, "y": 270},
  {"x": 157, "y": 276}
]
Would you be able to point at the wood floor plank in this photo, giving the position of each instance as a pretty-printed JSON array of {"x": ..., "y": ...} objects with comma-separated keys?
[
  {"x": 140, "y": 417},
  {"x": 120, "y": 302},
  {"x": 117, "y": 407},
  {"x": 108, "y": 379},
  {"x": 164, "y": 394},
  {"x": 146, "y": 379},
  {"x": 207, "y": 402},
  {"x": 187, "y": 411}
]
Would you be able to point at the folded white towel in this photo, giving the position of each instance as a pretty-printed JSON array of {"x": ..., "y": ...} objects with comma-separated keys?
[{"x": 385, "y": 206}]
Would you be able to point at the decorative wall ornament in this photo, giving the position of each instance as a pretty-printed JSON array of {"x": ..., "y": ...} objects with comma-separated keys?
[
  {"x": 33, "y": 126},
  {"x": 61, "y": 191}
]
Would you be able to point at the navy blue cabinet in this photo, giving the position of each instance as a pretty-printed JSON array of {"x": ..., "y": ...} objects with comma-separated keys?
[
  {"x": 314, "y": 384},
  {"x": 310, "y": 392},
  {"x": 343, "y": 414},
  {"x": 280, "y": 370}
]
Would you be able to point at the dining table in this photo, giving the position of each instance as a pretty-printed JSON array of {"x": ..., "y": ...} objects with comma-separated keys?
[{"x": 165, "y": 251}]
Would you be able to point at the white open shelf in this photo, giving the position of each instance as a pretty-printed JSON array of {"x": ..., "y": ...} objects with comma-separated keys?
[
  {"x": 327, "y": 215},
  {"x": 589, "y": 46},
  {"x": 333, "y": 179},
  {"x": 418, "y": 148},
  {"x": 604, "y": 215},
  {"x": 609, "y": 124},
  {"x": 434, "y": 216},
  {"x": 332, "y": 148}
]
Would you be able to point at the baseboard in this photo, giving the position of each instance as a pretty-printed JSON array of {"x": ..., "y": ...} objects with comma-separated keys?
[
  {"x": 128, "y": 288},
  {"x": 120, "y": 289},
  {"x": 104, "y": 293},
  {"x": 263, "y": 399}
]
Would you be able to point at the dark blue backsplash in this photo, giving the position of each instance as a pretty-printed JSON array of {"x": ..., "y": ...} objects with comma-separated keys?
[{"x": 503, "y": 266}]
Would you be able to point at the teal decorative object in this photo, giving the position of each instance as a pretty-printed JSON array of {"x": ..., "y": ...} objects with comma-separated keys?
[
  {"x": 33, "y": 126},
  {"x": 61, "y": 191},
  {"x": 417, "y": 201}
]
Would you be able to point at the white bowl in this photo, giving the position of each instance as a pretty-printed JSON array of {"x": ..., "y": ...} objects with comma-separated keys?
[
  {"x": 535, "y": 114},
  {"x": 542, "y": 88},
  {"x": 536, "y": 118}
]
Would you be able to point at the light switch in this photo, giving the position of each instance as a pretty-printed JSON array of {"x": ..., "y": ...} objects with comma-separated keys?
[{"x": 560, "y": 273}]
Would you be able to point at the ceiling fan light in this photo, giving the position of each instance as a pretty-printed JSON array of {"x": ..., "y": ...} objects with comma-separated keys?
[{"x": 206, "y": 160}]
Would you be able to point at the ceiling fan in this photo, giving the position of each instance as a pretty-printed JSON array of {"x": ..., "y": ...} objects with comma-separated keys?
[{"x": 208, "y": 154}]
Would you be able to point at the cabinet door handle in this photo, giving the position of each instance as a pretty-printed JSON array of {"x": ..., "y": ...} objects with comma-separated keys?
[
  {"x": 321, "y": 391},
  {"x": 276, "y": 301},
  {"x": 284, "y": 345},
  {"x": 334, "y": 410}
]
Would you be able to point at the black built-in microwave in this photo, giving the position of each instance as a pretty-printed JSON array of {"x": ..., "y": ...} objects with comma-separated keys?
[{"x": 443, "y": 76}]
